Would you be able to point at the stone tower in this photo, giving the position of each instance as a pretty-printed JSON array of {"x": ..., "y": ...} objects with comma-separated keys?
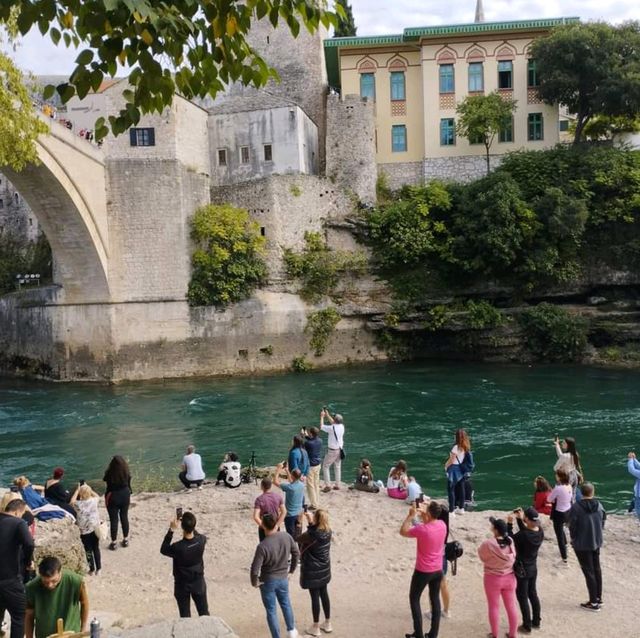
[{"x": 479, "y": 11}]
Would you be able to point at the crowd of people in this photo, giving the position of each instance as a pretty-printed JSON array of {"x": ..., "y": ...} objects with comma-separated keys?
[{"x": 294, "y": 529}]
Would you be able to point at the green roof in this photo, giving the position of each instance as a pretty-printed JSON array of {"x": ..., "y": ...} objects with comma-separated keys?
[{"x": 332, "y": 46}]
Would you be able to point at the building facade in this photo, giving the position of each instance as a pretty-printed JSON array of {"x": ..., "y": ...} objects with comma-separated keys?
[{"x": 418, "y": 78}]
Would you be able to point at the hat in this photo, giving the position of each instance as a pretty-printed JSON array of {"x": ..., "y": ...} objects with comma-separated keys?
[
  {"x": 58, "y": 473},
  {"x": 499, "y": 525},
  {"x": 532, "y": 514}
]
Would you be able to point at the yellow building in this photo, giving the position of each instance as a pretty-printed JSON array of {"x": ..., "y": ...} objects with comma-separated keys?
[{"x": 417, "y": 78}]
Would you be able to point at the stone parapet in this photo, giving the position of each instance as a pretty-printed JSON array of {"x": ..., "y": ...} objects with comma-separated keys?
[{"x": 459, "y": 169}]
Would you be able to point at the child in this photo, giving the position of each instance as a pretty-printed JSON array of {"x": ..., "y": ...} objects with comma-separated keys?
[{"x": 541, "y": 497}]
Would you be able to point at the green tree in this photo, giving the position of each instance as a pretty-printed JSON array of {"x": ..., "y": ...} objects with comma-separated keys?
[
  {"x": 482, "y": 117},
  {"x": 593, "y": 69},
  {"x": 227, "y": 264},
  {"x": 193, "y": 47},
  {"x": 346, "y": 26}
]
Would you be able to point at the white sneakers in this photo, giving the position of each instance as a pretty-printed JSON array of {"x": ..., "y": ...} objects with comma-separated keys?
[
  {"x": 293, "y": 633},
  {"x": 313, "y": 631},
  {"x": 458, "y": 510},
  {"x": 326, "y": 627}
]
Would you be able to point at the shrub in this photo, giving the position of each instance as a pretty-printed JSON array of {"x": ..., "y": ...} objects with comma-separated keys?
[
  {"x": 437, "y": 318},
  {"x": 553, "y": 334},
  {"x": 18, "y": 256},
  {"x": 227, "y": 264},
  {"x": 295, "y": 190},
  {"x": 321, "y": 325},
  {"x": 319, "y": 268},
  {"x": 482, "y": 315},
  {"x": 300, "y": 364}
]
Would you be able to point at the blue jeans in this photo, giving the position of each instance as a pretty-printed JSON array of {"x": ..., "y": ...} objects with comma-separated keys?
[
  {"x": 272, "y": 591},
  {"x": 636, "y": 500}
]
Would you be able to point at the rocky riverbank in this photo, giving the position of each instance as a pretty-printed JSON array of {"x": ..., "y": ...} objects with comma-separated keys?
[{"x": 371, "y": 566}]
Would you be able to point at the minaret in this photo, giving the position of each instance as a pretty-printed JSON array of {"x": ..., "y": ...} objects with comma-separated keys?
[{"x": 479, "y": 11}]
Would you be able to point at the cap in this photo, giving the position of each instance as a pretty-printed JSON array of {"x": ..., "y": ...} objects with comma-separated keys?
[
  {"x": 499, "y": 525},
  {"x": 532, "y": 514},
  {"x": 58, "y": 473}
]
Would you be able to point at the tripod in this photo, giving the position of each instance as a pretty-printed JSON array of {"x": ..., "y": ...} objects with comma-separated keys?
[{"x": 251, "y": 471}]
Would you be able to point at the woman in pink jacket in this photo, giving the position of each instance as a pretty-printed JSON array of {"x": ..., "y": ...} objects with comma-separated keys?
[{"x": 498, "y": 555}]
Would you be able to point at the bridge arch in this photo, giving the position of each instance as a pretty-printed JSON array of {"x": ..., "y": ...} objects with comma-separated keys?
[{"x": 67, "y": 194}]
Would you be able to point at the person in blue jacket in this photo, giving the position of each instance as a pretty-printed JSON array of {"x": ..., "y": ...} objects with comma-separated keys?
[
  {"x": 633, "y": 465},
  {"x": 298, "y": 458}
]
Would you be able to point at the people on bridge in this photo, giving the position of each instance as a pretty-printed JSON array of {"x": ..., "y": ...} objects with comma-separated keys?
[
  {"x": 192, "y": 473},
  {"x": 313, "y": 446},
  {"x": 335, "y": 452},
  {"x": 528, "y": 540},
  {"x": 117, "y": 498},
  {"x": 586, "y": 529},
  {"x": 633, "y": 465},
  {"x": 560, "y": 499},
  {"x": 55, "y": 594},
  {"x": 541, "y": 495},
  {"x": 85, "y": 501},
  {"x": 275, "y": 559},
  {"x": 188, "y": 565},
  {"x": 498, "y": 555},
  {"x": 430, "y": 534},
  {"x": 397, "y": 481},
  {"x": 315, "y": 568}
]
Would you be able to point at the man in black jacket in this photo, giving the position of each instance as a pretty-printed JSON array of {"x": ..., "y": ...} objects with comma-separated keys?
[
  {"x": 586, "y": 524},
  {"x": 528, "y": 540},
  {"x": 16, "y": 552},
  {"x": 188, "y": 566}
]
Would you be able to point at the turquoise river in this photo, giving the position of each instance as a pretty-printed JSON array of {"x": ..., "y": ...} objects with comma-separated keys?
[{"x": 404, "y": 411}]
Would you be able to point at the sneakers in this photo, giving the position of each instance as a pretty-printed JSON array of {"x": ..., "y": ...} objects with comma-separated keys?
[
  {"x": 326, "y": 489},
  {"x": 125, "y": 542},
  {"x": 459, "y": 511},
  {"x": 313, "y": 631},
  {"x": 293, "y": 633},
  {"x": 199, "y": 487},
  {"x": 524, "y": 630},
  {"x": 336, "y": 487},
  {"x": 590, "y": 606},
  {"x": 113, "y": 545},
  {"x": 326, "y": 627}
]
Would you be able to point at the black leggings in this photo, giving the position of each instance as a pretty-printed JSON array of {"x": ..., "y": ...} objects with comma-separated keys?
[
  {"x": 119, "y": 508},
  {"x": 559, "y": 520},
  {"x": 526, "y": 593},
  {"x": 318, "y": 595},
  {"x": 91, "y": 544},
  {"x": 418, "y": 582}
]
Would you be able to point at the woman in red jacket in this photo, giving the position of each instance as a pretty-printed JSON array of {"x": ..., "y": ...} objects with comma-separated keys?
[{"x": 541, "y": 496}]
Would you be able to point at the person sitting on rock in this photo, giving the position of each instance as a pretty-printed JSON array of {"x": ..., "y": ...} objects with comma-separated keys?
[
  {"x": 56, "y": 493},
  {"x": 39, "y": 505},
  {"x": 229, "y": 471},
  {"x": 414, "y": 491},
  {"x": 364, "y": 478},
  {"x": 55, "y": 593},
  {"x": 397, "y": 481}
]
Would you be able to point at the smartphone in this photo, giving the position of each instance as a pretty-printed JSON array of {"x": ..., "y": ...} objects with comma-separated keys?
[
  {"x": 81, "y": 481},
  {"x": 179, "y": 513},
  {"x": 305, "y": 507}
]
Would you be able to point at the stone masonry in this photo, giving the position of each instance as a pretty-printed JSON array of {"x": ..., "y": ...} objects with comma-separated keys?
[
  {"x": 459, "y": 169},
  {"x": 16, "y": 217},
  {"x": 398, "y": 175}
]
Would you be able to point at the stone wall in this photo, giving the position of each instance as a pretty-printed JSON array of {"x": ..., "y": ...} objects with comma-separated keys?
[
  {"x": 351, "y": 146},
  {"x": 398, "y": 175},
  {"x": 285, "y": 207},
  {"x": 16, "y": 217},
  {"x": 459, "y": 169}
]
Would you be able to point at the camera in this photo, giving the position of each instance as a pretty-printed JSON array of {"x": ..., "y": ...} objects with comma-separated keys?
[
  {"x": 179, "y": 513},
  {"x": 305, "y": 507},
  {"x": 82, "y": 481}
]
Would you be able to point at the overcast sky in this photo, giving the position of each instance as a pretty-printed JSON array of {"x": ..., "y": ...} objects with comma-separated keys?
[{"x": 37, "y": 54}]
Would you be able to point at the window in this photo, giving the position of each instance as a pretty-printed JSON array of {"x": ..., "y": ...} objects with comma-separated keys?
[
  {"x": 505, "y": 74},
  {"x": 263, "y": 231},
  {"x": 535, "y": 127},
  {"x": 506, "y": 132},
  {"x": 244, "y": 154},
  {"x": 397, "y": 86},
  {"x": 142, "y": 136},
  {"x": 564, "y": 127},
  {"x": 447, "y": 132},
  {"x": 17, "y": 197},
  {"x": 399, "y": 138},
  {"x": 222, "y": 157},
  {"x": 532, "y": 74},
  {"x": 30, "y": 221},
  {"x": 368, "y": 85},
  {"x": 476, "y": 77},
  {"x": 476, "y": 139},
  {"x": 447, "y": 81},
  {"x": 268, "y": 153}
]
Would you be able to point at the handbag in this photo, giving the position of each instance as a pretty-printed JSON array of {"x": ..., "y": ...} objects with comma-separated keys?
[
  {"x": 452, "y": 551},
  {"x": 343, "y": 454},
  {"x": 101, "y": 531}
]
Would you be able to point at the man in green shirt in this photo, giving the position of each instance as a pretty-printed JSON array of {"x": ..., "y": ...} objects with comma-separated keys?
[{"x": 55, "y": 593}]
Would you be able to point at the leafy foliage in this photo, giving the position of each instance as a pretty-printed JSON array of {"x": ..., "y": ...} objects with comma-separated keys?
[
  {"x": 553, "y": 334},
  {"x": 346, "y": 26},
  {"x": 592, "y": 69},
  {"x": 482, "y": 117},
  {"x": 319, "y": 268},
  {"x": 18, "y": 256},
  {"x": 193, "y": 47},
  {"x": 300, "y": 364},
  {"x": 436, "y": 318},
  {"x": 482, "y": 315},
  {"x": 320, "y": 325},
  {"x": 227, "y": 262}
]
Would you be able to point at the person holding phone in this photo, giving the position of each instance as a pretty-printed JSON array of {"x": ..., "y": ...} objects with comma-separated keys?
[
  {"x": 294, "y": 497},
  {"x": 188, "y": 564},
  {"x": 560, "y": 499},
  {"x": 569, "y": 462},
  {"x": 335, "y": 453},
  {"x": 85, "y": 502},
  {"x": 633, "y": 467},
  {"x": 430, "y": 534}
]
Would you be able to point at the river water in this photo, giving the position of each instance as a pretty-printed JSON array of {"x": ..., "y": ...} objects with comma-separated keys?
[{"x": 404, "y": 411}]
